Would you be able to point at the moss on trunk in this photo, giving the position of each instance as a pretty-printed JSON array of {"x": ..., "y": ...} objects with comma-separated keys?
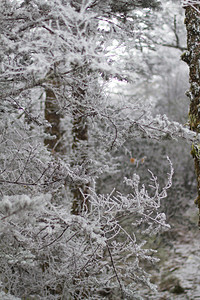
[{"x": 192, "y": 58}]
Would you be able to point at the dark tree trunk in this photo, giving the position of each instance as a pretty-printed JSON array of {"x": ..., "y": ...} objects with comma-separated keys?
[
  {"x": 79, "y": 133},
  {"x": 53, "y": 117},
  {"x": 79, "y": 147},
  {"x": 192, "y": 58}
]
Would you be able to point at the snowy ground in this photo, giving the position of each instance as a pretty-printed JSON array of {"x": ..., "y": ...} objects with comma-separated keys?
[{"x": 178, "y": 275}]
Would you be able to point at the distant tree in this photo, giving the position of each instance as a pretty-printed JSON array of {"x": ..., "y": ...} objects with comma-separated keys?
[{"x": 160, "y": 78}]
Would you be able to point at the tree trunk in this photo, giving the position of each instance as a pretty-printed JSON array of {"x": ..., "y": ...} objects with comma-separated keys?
[
  {"x": 192, "y": 58},
  {"x": 53, "y": 117},
  {"x": 79, "y": 147}
]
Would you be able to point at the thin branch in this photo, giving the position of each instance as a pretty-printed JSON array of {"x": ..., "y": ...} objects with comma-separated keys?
[
  {"x": 30, "y": 184},
  {"x": 25, "y": 166},
  {"x": 115, "y": 271},
  {"x": 89, "y": 260},
  {"x": 175, "y": 46},
  {"x": 56, "y": 239},
  {"x": 27, "y": 114},
  {"x": 116, "y": 131}
]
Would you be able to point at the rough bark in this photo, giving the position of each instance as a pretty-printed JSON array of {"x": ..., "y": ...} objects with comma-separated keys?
[
  {"x": 53, "y": 117},
  {"x": 192, "y": 58},
  {"x": 80, "y": 135}
]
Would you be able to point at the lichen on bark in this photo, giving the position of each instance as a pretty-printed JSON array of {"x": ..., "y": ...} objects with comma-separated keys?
[{"x": 192, "y": 58}]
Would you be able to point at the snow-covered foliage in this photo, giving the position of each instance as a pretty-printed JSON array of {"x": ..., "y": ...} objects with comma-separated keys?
[
  {"x": 65, "y": 51},
  {"x": 47, "y": 251}
]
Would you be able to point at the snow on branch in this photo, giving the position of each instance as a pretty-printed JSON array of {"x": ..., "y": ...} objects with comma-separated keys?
[
  {"x": 192, "y": 3},
  {"x": 96, "y": 242}
]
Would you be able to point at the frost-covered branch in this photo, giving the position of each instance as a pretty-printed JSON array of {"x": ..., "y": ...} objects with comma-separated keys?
[
  {"x": 60, "y": 129},
  {"x": 98, "y": 235}
]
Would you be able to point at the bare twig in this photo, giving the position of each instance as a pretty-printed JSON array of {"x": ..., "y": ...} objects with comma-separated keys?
[
  {"x": 89, "y": 260},
  {"x": 115, "y": 271},
  {"x": 52, "y": 242}
]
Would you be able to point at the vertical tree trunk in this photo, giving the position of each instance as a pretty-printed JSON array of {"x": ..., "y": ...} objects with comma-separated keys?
[
  {"x": 79, "y": 123},
  {"x": 79, "y": 147},
  {"x": 53, "y": 117},
  {"x": 79, "y": 133},
  {"x": 192, "y": 58}
]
